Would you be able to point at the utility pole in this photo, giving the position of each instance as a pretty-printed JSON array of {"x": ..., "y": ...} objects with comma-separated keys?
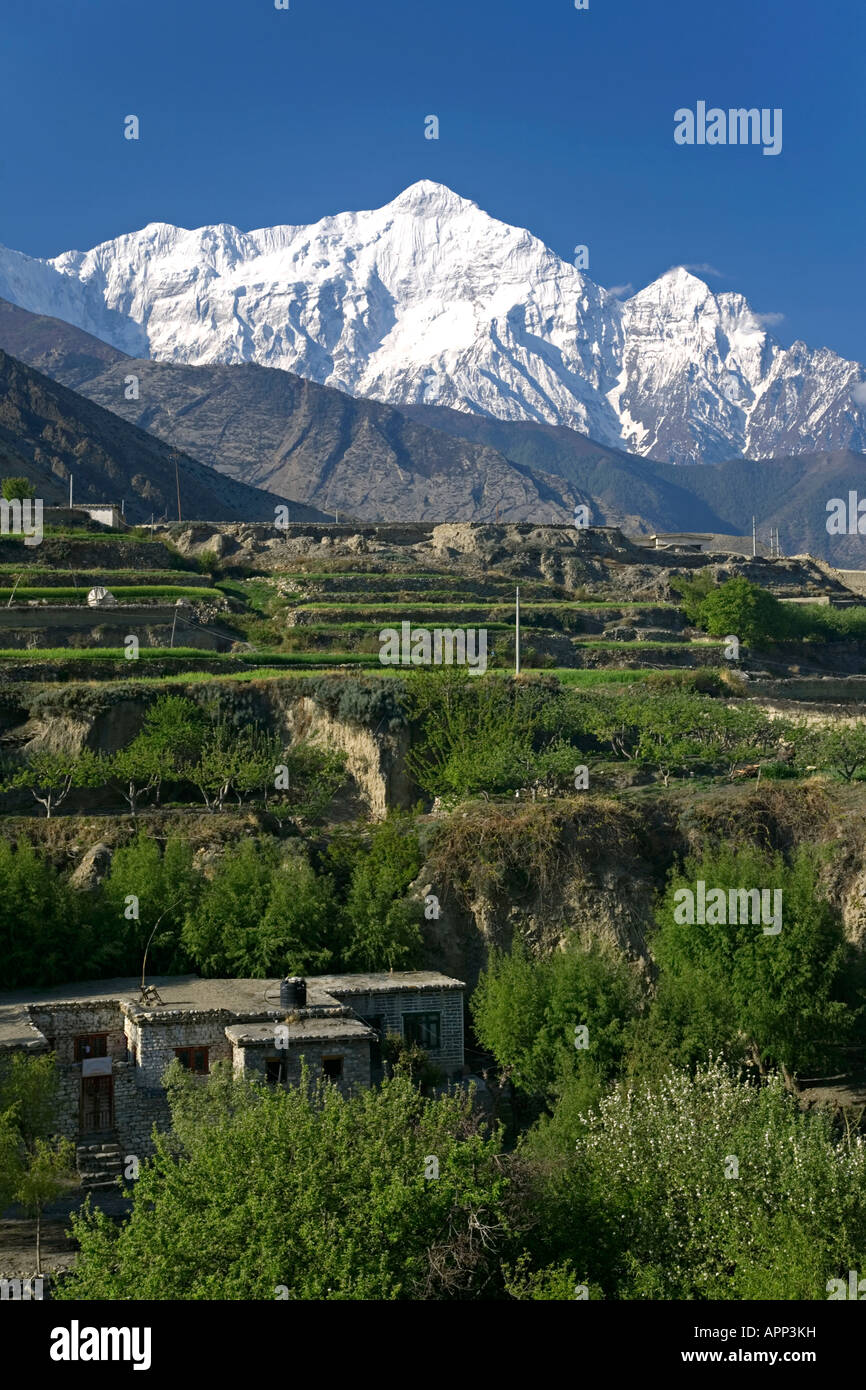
[
  {"x": 754, "y": 539},
  {"x": 173, "y": 626},
  {"x": 177, "y": 483},
  {"x": 70, "y": 492},
  {"x": 517, "y": 631}
]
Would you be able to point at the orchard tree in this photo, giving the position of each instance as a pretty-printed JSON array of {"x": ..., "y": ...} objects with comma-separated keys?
[
  {"x": 696, "y": 1186},
  {"x": 51, "y": 776},
  {"x": 35, "y": 1165},
  {"x": 48, "y": 1169},
  {"x": 841, "y": 748}
]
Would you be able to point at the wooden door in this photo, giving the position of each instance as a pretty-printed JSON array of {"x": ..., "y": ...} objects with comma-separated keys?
[{"x": 97, "y": 1104}]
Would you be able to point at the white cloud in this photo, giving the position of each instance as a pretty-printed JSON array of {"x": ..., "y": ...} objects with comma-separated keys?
[
  {"x": 621, "y": 291},
  {"x": 702, "y": 268},
  {"x": 858, "y": 393},
  {"x": 768, "y": 320}
]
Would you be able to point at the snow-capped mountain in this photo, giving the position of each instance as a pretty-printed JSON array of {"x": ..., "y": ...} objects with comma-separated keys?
[{"x": 430, "y": 300}]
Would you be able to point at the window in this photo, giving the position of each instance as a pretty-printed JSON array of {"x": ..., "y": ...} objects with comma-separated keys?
[
  {"x": 423, "y": 1029},
  {"x": 332, "y": 1068},
  {"x": 377, "y": 1023},
  {"x": 274, "y": 1071},
  {"x": 193, "y": 1058},
  {"x": 90, "y": 1045}
]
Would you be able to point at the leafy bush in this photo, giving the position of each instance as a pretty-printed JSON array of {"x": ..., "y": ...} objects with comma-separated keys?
[
  {"x": 526, "y": 1012},
  {"x": 305, "y": 1195},
  {"x": 704, "y": 1188},
  {"x": 772, "y": 999}
]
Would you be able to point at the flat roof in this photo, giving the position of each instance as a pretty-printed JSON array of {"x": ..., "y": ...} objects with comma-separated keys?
[
  {"x": 386, "y": 983},
  {"x": 189, "y": 994},
  {"x": 303, "y": 1030}
]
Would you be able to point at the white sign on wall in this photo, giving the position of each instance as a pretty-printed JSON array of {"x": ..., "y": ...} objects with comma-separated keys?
[{"x": 96, "y": 1066}]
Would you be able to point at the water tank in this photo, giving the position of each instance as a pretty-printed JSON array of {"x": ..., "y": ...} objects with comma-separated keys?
[{"x": 293, "y": 992}]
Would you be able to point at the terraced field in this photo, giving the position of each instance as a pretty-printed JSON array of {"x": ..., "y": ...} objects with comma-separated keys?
[
  {"x": 131, "y": 593},
  {"x": 306, "y": 618}
]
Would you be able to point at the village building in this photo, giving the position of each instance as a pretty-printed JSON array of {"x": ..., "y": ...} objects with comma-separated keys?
[{"x": 113, "y": 1040}]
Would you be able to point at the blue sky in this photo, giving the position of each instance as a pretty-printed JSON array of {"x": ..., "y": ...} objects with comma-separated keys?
[{"x": 550, "y": 118}]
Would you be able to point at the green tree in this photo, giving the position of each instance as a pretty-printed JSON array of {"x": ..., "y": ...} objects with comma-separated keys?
[
  {"x": 693, "y": 592},
  {"x": 17, "y": 489},
  {"x": 50, "y": 776},
  {"x": 145, "y": 899},
  {"x": 262, "y": 913},
  {"x": 135, "y": 770},
  {"x": 46, "y": 934},
  {"x": 49, "y": 1168},
  {"x": 222, "y": 763},
  {"x": 172, "y": 737},
  {"x": 382, "y": 924},
  {"x": 744, "y": 610},
  {"x": 303, "y": 1194},
  {"x": 841, "y": 748},
  {"x": 699, "y": 1186},
  {"x": 35, "y": 1165},
  {"x": 774, "y": 999},
  {"x": 531, "y": 1015},
  {"x": 29, "y": 1088}
]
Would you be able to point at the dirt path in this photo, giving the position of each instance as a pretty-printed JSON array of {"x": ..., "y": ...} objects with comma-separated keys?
[{"x": 18, "y": 1235}]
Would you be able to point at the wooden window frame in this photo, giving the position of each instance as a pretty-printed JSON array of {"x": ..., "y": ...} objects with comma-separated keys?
[
  {"x": 81, "y": 1038},
  {"x": 196, "y": 1047}
]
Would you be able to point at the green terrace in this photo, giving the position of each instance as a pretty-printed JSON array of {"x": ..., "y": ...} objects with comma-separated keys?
[
  {"x": 23, "y": 657},
  {"x": 409, "y": 605},
  {"x": 55, "y": 578},
  {"x": 131, "y": 593},
  {"x": 81, "y": 533}
]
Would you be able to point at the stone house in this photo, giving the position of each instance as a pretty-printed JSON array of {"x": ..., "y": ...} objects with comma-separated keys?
[{"x": 113, "y": 1041}]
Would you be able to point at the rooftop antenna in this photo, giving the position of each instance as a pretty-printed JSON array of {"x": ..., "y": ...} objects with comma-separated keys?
[{"x": 149, "y": 992}]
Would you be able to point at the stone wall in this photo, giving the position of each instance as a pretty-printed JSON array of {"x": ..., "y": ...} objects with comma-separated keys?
[
  {"x": 63, "y": 1022},
  {"x": 137, "y": 1106},
  {"x": 136, "y": 1110},
  {"x": 391, "y": 1007},
  {"x": 158, "y": 1038},
  {"x": 354, "y": 1051}
]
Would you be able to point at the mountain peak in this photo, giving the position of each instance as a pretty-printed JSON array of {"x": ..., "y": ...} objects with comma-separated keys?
[
  {"x": 432, "y": 300},
  {"x": 428, "y": 196}
]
